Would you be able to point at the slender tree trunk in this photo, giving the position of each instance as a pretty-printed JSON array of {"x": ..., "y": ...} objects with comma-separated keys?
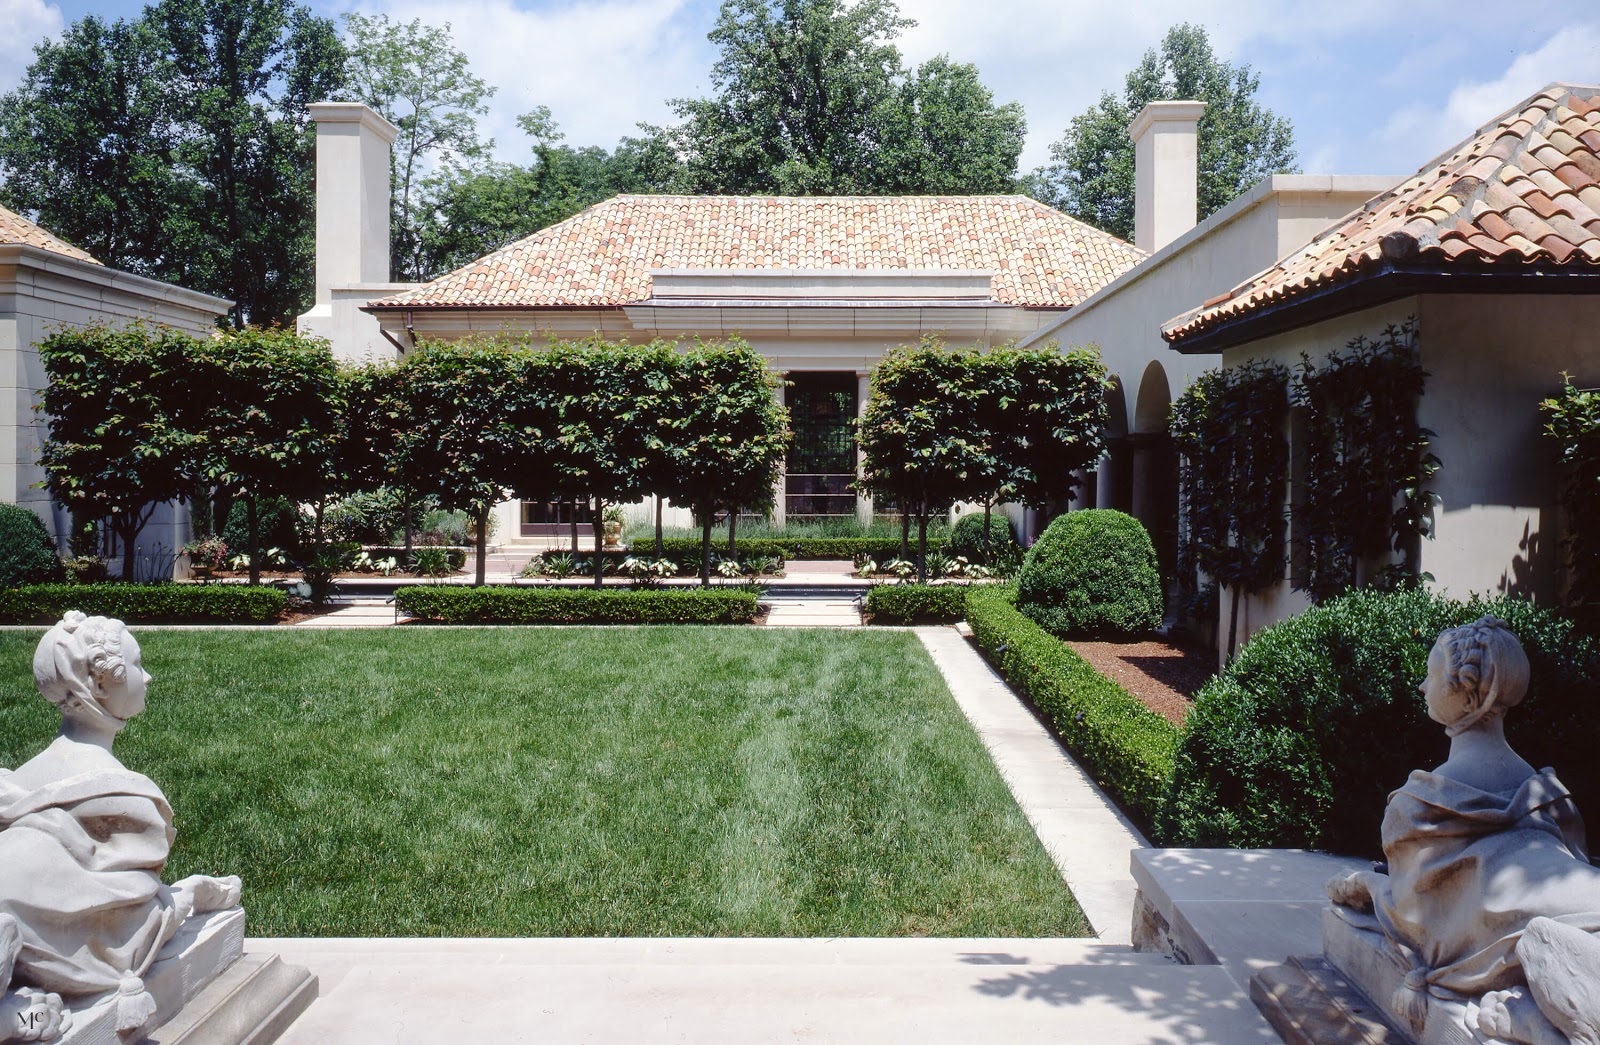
[
  {"x": 481, "y": 523},
  {"x": 905, "y": 534},
  {"x": 127, "y": 534},
  {"x": 988, "y": 553},
  {"x": 253, "y": 519},
  {"x": 659, "y": 546},
  {"x": 1233, "y": 624},
  {"x": 707, "y": 517},
  {"x": 922, "y": 545},
  {"x": 574, "y": 527},
  {"x": 733, "y": 526},
  {"x": 316, "y": 521},
  {"x": 409, "y": 531},
  {"x": 599, "y": 541}
]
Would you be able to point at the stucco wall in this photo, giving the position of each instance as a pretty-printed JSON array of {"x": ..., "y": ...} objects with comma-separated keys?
[
  {"x": 41, "y": 293},
  {"x": 1490, "y": 360}
]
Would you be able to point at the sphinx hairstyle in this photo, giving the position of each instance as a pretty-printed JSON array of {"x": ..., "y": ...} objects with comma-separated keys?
[
  {"x": 78, "y": 655},
  {"x": 1486, "y": 664}
]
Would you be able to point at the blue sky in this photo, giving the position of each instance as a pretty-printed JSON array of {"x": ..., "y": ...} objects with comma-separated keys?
[{"x": 1372, "y": 86}]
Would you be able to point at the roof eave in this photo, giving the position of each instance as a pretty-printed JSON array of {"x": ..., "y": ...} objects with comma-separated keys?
[{"x": 1391, "y": 281}]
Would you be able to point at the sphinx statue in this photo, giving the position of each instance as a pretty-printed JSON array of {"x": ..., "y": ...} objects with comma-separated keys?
[
  {"x": 83, "y": 841},
  {"x": 1489, "y": 900}
]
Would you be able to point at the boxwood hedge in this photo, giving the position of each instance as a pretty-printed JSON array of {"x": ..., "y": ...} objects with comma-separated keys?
[
  {"x": 917, "y": 603},
  {"x": 1300, "y": 740},
  {"x": 453, "y": 604},
  {"x": 1125, "y": 746},
  {"x": 144, "y": 603}
]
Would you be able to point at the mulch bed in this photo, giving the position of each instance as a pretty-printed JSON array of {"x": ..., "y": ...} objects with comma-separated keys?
[{"x": 1164, "y": 677}]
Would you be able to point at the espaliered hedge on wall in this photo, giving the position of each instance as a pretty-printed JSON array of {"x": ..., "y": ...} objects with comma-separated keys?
[
  {"x": 499, "y": 605},
  {"x": 917, "y": 603},
  {"x": 1125, "y": 746},
  {"x": 143, "y": 603}
]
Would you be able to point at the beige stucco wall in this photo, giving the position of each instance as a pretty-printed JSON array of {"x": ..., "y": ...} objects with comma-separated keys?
[
  {"x": 1490, "y": 360},
  {"x": 41, "y": 293}
]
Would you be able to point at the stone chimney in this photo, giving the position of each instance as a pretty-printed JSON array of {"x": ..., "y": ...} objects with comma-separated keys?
[
  {"x": 352, "y": 196},
  {"x": 1166, "y": 195}
]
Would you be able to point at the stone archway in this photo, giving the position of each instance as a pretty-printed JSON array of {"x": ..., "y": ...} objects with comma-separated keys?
[{"x": 1113, "y": 479}]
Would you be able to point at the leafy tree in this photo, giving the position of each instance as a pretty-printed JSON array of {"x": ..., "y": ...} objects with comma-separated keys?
[
  {"x": 1240, "y": 142},
  {"x": 812, "y": 98},
  {"x": 726, "y": 435},
  {"x": 1050, "y": 420},
  {"x": 178, "y": 145},
  {"x": 268, "y": 418},
  {"x": 416, "y": 77},
  {"x": 922, "y": 435},
  {"x": 458, "y": 429},
  {"x": 120, "y": 441},
  {"x": 466, "y": 211}
]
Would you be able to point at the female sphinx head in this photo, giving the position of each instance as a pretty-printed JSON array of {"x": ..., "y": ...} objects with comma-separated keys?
[
  {"x": 1475, "y": 672},
  {"x": 89, "y": 667}
]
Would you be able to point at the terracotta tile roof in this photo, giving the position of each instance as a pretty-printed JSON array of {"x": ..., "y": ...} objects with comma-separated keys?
[
  {"x": 604, "y": 255},
  {"x": 14, "y": 228},
  {"x": 1522, "y": 191}
]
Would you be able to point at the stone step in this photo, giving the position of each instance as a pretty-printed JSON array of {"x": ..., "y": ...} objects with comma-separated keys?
[
  {"x": 252, "y": 1003},
  {"x": 754, "y": 991}
]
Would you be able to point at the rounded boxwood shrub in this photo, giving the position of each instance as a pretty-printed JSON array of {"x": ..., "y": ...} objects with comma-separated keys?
[
  {"x": 1092, "y": 572},
  {"x": 27, "y": 554},
  {"x": 966, "y": 539},
  {"x": 1300, "y": 740}
]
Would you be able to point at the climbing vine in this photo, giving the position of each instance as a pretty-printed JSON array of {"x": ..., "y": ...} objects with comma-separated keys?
[
  {"x": 1365, "y": 464},
  {"x": 1574, "y": 422},
  {"x": 1229, "y": 428}
]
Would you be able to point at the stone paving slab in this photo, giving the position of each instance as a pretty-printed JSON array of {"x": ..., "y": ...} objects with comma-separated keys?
[
  {"x": 1083, "y": 831},
  {"x": 508, "y": 991}
]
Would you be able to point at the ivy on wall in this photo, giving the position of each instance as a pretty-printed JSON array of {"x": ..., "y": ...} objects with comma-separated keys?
[
  {"x": 1365, "y": 463},
  {"x": 1229, "y": 428},
  {"x": 1574, "y": 422}
]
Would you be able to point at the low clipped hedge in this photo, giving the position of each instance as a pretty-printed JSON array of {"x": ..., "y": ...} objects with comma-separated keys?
[
  {"x": 1092, "y": 572},
  {"x": 1300, "y": 740},
  {"x": 796, "y": 548},
  {"x": 917, "y": 603},
  {"x": 454, "y": 604},
  {"x": 144, "y": 603},
  {"x": 1125, "y": 746}
]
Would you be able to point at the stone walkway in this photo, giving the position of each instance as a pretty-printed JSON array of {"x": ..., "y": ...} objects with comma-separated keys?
[{"x": 927, "y": 991}]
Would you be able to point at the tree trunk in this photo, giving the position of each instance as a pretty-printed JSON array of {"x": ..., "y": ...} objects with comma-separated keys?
[
  {"x": 481, "y": 522},
  {"x": 733, "y": 525},
  {"x": 659, "y": 502},
  {"x": 409, "y": 532},
  {"x": 922, "y": 545},
  {"x": 316, "y": 521},
  {"x": 1233, "y": 624},
  {"x": 599, "y": 542},
  {"x": 254, "y": 529},
  {"x": 574, "y": 527},
  {"x": 127, "y": 533},
  {"x": 988, "y": 553},
  {"x": 706, "y": 517},
  {"x": 905, "y": 534}
]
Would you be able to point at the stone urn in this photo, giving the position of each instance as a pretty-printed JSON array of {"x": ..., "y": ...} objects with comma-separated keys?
[{"x": 613, "y": 533}]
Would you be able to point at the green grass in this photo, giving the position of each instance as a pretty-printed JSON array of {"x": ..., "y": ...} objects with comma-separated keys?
[{"x": 587, "y": 782}]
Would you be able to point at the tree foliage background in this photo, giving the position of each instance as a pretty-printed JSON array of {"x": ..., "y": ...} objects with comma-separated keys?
[{"x": 1240, "y": 141}]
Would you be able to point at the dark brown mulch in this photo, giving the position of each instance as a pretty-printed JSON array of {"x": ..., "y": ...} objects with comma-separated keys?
[{"x": 1163, "y": 676}]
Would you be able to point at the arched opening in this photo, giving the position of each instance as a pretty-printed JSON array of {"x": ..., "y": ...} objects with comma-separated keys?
[
  {"x": 1113, "y": 479},
  {"x": 1154, "y": 465}
]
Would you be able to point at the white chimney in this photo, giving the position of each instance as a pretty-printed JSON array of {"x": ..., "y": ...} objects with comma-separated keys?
[
  {"x": 1166, "y": 157},
  {"x": 352, "y": 196}
]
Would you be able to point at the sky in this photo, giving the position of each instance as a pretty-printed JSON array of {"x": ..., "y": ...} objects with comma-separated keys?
[{"x": 1371, "y": 86}]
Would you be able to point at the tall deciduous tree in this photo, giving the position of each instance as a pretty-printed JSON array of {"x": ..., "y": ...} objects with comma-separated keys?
[
  {"x": 269, "y": 412},
  {"x": 415, "y": 76},
  {"x": 812, "y": 98},
  {"x": 178, "y": 145},
  {"x": 120, "y": 439},
  {"x": 1091, "y": 174}
]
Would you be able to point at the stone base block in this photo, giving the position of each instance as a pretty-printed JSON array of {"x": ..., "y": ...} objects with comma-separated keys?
[
  {"x": 1377, "y": 970},
  {"x": 1309, "y": 1003}
]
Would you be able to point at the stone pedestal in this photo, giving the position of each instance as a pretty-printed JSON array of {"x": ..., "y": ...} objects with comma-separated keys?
[{"x": 207, "y": 950}]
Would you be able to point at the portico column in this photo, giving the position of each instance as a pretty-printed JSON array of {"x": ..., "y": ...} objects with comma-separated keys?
[
  {"x": 863, "y": 500},
  {"x": 780, "y": 507}
]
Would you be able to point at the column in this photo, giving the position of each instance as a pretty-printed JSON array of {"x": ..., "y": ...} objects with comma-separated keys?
[
  {"x": 780, "y": 505},
  {"x": 863, "y": 500}
]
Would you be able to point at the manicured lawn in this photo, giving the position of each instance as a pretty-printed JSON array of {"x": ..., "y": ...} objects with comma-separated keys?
[{"x": 588, "y": 782}]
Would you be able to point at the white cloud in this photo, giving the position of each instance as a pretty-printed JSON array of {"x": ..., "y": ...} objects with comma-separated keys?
[
  {"x": 600, "y": 66},
  {"x": 1571, "y": 54},
  {"x": 23, "y": 23}
]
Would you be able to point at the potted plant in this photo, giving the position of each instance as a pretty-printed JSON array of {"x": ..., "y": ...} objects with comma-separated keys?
[
  {"x": 611, "y": 522},
  {"x": 206, "y": 557}
]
